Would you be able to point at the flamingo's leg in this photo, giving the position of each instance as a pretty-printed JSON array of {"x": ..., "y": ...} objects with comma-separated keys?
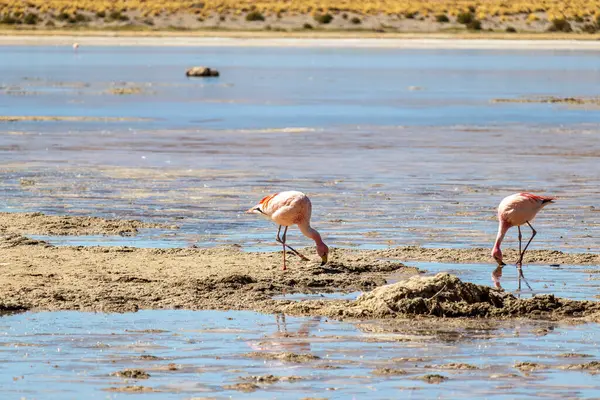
[
  {"x": 522, "y": 253},
  {"x": 286, "y": 245},
  {"x": 283, "y": 244}
]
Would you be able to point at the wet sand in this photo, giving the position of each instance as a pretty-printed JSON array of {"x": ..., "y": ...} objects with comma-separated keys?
[{"x": 41, "y": 224}]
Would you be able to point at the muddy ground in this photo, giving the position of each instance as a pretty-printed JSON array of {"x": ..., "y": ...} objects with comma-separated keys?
[
  {"x": 40, "y": 224},
  {"x": 37, "y": 276}
]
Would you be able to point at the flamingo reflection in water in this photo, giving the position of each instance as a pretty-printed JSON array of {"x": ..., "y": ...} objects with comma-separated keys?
[{"x": 284, "y": 340}]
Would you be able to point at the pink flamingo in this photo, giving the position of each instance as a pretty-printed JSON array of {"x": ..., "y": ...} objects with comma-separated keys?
[
  {"x": 516, "y": 210},
  {"x": 289, "y": 208}
]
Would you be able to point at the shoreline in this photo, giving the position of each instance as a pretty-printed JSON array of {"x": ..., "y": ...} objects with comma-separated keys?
[{"x": 459, "y": 41}]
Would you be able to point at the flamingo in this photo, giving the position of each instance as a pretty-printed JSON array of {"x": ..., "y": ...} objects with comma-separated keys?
[
  {"x": 286, "y": 209},
  {"x": 516, "y": 210},
  {"x": 75, "y": 46}
]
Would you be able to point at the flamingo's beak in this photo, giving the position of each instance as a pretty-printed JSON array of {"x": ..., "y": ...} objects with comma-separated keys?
[
  {"x": 254, "y": 210},
  {"x": 324, "y": 259}
]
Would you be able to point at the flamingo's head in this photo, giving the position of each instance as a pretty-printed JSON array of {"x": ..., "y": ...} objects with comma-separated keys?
[
  {"x": 497, "y": 254},
  {"x": 255, "y": 210},
  {"x": 323, "y": 252}
]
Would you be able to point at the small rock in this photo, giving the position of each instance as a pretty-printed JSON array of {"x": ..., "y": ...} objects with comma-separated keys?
[
  {"x": 528, "y": 366},
  {"x": 452, "y": 366},
  {"x": 27, "y": 182},
  {"x": 201, "y": 72},
  {"x": 242, "y": 387},
  {"x": 434, "y": 378},
  {"x": 132, "y": 374},
  {"x": 130, "y": 389},
  {"x": 389, "y": 371},
  {"x": 289, "y": 357},
  {"x": 263, "y": 379},
  {"x": 149, "y": 357},
  {"x": 172, "y": 367}
]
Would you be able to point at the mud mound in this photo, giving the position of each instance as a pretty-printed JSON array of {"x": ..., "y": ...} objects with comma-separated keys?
[
  {"x": 527, "y": 366},
  {"x": 445, "y": 295},
  {"x": 442, "y": 295},
  {"x": 433, "y": 378},
  {"x": 593, "y": 367},
  {"x": 41, "y": 224},
  {"x": 417, "y": 253},
  {"x": 457, "y": 366},
  {"x": 242, "y": 387},
  {"x": 14, "y": 240},
  {"x": 289, "y": 357},
  {"x": 272, "y": 378},
  {"x": 132, "y": 374},
  {"x": 130, "y": 389},
  {"x": 389, "y": 371}
]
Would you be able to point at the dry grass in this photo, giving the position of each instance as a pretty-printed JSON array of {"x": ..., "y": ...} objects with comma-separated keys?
[
  {"x": 483, "y": 9},
  {"x": 122, "y": 11}
]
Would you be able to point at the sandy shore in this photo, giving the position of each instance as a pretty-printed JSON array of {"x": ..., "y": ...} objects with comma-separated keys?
[
  {"x": 37, "y": 276},
  {"x": 222, "y": 39}
]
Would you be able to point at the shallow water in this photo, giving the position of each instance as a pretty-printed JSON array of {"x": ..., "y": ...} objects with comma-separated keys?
[
  {"x": 394, "y": 147},
  {"x": 434, "y": 162},
  {"x": 68, "y": 354}
]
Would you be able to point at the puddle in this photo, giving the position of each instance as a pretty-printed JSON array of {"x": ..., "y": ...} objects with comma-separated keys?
[{"x": 203, "y": 353}]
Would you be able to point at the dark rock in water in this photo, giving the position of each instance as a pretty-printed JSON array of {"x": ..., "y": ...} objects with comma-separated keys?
[{"x": 201, "y": 72}]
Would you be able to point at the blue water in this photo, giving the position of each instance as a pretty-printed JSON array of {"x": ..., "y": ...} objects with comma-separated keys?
[
  {"x": 67, "y": 355},
  {"x": 384, "y": 164},
  {"x": 395, "y": 147},
  {"x": 282, "y": 87}
]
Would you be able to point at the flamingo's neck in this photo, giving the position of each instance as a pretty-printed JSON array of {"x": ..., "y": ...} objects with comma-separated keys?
[
  {"x": 311, "y": 233},
  {"x": 502, "y": 228}
]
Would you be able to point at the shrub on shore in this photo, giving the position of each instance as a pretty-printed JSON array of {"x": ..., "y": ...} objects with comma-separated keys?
[
  {"x": 442, "y": 18},
  {"x": 465, "y": 18},
  {"x": 474, "y": 25},
  {"x": 323, "y": 18},
  {"x": 560, "y": 25},
  {"x": 255, "y": 16}
]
